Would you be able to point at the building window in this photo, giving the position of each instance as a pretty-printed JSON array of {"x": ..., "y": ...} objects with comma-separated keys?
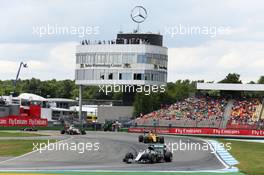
[
  {"x": 125, "y": 76},
  {"x": 102, "y": 77},
  {"x": 141, "y": 58},
  {"x": 110, "y": 76},
  {"x": 77, "y": 59},
  {"x": 128, "y": 58},
  {"x": 115, "y": 59},
  {"x": 138, "y": 76},
  {"x": 100, "y": 58},
  {"x": 149, "y": 58},
  {"x": 147, "y": 76}
]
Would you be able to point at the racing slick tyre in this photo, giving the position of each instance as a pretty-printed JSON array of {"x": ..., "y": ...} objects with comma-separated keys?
[
  {"x": 152, "y": 158},
  {"x": 129, "y": 156},
  {"x": 145, "y": 140},
  {"x": 168, "y": 156},
  {"x": 62, "y": 132},
  {"x": 140, "y": 138},
  {"x": 161, "y": 140},
  {"x": 83, "y": 132}
]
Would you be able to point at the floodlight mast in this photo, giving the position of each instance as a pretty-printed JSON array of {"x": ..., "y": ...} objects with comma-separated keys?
[
  {"x": 24, "y": 65},
  {"x": 80, "y": 105}
]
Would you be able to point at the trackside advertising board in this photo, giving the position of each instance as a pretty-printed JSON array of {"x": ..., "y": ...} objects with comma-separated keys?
[
  {"x": 22, "y": 121},
  {"x": 202, "y": 131}
]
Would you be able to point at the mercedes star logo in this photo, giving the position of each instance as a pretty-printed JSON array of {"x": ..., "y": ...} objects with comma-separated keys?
[{"x": 139, "y": 14}]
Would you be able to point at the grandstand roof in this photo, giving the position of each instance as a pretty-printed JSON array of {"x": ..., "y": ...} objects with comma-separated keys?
[
  {"x": 60, "y": 100},
  {"x": 34, "y": 97},
  {"x": 230, "y": 87}
]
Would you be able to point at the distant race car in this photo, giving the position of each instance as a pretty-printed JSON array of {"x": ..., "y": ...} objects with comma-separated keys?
[
  {"x": 155, "y": 153},
  {"x": 73, "y": 131},
  {"x": 29, "y": 129},
  {"x": 150, "y": 138}
]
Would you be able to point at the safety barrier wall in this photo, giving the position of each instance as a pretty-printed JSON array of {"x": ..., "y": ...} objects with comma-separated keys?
[
  {"x": 202, "y": 131},
  {"x": 22, "y": 121}
]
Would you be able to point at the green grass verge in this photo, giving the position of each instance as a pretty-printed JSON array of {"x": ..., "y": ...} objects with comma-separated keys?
[
  {"x": 18, "y": 134},
  {"x": 146, "y": 173},
  {"x": 18, "y": 147},
  {"x": 120, "y": 173},
  {"x": 38, "y": 127},
  {"x": 249, "y": 154}
]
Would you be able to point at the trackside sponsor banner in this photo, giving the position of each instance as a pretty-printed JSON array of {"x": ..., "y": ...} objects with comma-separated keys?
[
  {"x": 22, "y": 121},
  {"x": 158, "y": 130},
  {"x": 202, "y": 131}
]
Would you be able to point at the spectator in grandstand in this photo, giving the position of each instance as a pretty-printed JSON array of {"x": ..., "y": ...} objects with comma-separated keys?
[
  {"x": 191, "y": 112},
  {"x": 244, "y": 113}
]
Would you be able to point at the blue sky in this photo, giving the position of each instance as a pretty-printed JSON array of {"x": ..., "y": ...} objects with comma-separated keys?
[{"x": 199, "y": 56}]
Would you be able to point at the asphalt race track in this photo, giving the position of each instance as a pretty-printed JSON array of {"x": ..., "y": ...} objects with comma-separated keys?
[{"x": 112, "y": 148}]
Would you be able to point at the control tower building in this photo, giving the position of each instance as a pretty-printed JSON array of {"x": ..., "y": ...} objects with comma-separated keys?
[
  {"x": 130, "y": 59},
  {"x": 134, "y": 59}
]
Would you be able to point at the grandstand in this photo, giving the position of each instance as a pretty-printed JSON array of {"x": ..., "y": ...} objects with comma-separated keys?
[{"x": 226, "y": 112}]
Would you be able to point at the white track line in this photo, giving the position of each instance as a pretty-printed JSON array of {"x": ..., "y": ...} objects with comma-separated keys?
[
  {"x": 211, "y": 147},
  {"x": 217, "y": 155},
  {"x": 114, "y": 171}
]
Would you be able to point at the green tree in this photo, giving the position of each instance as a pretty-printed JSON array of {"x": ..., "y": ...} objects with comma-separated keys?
[
  {"x": 179, "y": 90},
  {"x": 231, "y": 78},
  {"x": 261, "y": 80}
]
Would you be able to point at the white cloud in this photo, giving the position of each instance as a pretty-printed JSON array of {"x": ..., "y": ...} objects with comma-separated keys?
[
  {"x": 53, "y": 60},
  {"x": 240, "y": 51},
  {"x": 36, "y": 65},
  {"x": 7, "y": 67},
  {"x": 63, "y": 55},
  {"x": 214, "y": 60},
  {"x": 258, "y": 64},
  {"x": 230, "y": 61},
  {"x": 186, "y": 58}
]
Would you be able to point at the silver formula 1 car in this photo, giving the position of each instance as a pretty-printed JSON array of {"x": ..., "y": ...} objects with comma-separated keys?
[
  {"x": 73, "y": 131},
  {"x": 155, "y": 153}
]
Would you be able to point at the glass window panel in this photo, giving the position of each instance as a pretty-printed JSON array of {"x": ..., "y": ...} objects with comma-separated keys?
[
  {"x": 126, "y": 76},
  {"x": 141, "y": 58},
  {"x": 128, "y": 58}
]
